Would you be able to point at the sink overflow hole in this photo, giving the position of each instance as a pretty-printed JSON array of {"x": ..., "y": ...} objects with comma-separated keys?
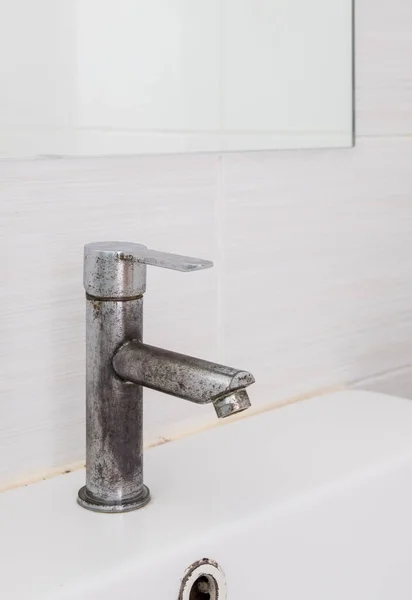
[{"x": 204, "y": 588}]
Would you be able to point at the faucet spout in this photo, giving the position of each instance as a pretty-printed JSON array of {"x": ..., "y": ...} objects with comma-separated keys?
[{"x": 193, "y": 379}]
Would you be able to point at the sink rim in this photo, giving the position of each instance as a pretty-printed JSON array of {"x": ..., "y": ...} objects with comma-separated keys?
[{"x": 305, "y": 447}]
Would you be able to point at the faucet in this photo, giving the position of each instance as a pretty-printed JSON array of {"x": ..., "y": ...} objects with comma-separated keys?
[{"x": 119, "y": 365}]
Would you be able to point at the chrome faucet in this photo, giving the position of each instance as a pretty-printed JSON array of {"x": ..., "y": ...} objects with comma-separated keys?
[{"x": 118, "y": 364}]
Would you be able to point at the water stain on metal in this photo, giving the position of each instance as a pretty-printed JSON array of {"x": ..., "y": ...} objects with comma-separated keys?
[
  {"x": 97, "y": 308},
  {"x": 123, "y": 256}
]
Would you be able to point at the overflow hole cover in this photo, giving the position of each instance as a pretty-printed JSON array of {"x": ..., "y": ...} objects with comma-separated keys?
[{"x": 203, "y": 580}]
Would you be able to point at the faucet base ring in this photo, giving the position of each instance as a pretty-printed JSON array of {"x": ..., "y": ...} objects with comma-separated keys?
[{"x": 85, "y": 501}]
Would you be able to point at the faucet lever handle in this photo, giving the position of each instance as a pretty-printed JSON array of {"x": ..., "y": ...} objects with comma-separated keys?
[
  {"x": 176, "y": 262},
  {"x": 118, "y": 269}
]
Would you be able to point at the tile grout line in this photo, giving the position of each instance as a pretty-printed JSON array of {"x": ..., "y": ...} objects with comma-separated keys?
[
  {"x": 219, "y": 225},
  {"x": 84, "y": 159},
  {"x": 219, "y": 204}
]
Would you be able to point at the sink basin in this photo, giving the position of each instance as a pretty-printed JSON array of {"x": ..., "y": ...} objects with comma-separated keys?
[{"x": 312, "y": 501}]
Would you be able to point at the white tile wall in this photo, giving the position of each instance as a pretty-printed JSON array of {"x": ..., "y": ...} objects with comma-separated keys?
[
  {"x": 319, "y": 256},
  {"x": 383, "y": 71},
  {"x": 312, "y": 285}
]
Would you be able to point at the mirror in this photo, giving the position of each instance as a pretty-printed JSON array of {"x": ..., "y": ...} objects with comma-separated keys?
[{"x": 106, "y": 77}]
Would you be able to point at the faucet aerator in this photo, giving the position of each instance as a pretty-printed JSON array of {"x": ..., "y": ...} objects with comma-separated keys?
[{"x": 235, "y": 402}]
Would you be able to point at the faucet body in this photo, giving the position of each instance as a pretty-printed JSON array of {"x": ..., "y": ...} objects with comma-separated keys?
[{"x": 119, "y": 365}]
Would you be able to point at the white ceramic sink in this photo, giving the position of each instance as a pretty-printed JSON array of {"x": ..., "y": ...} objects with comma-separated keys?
[{"x": 308, "y": 502}]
